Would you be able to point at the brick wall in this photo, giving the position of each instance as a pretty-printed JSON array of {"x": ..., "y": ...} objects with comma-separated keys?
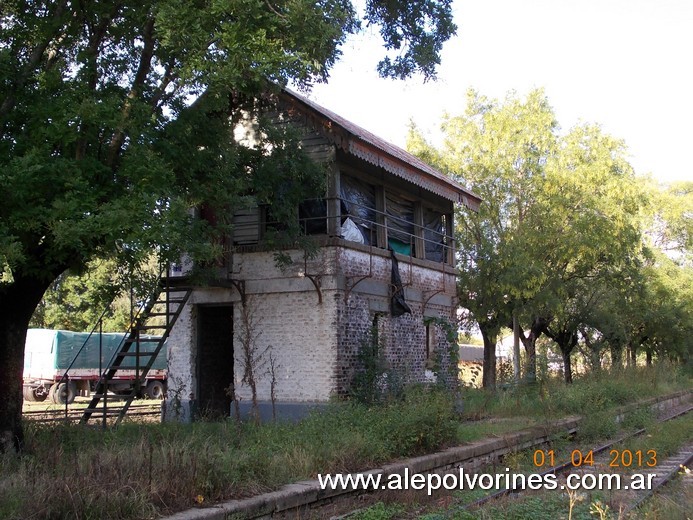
[
  {"x": 315, "y": 345},
  {"x": 365, "y": 303},
  {"x": 299, "y": 335}
]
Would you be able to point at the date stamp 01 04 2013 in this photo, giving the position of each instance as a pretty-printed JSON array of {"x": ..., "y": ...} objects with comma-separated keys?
[{"x": 617, "y": 458}]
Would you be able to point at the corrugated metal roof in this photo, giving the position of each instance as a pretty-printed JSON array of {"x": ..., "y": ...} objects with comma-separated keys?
[{"x": 375, "y": 150}]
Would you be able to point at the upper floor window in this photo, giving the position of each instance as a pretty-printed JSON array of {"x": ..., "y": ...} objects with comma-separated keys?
[
  {"x": 358, "y": 214},
  {"x": 369, "y": 214}
]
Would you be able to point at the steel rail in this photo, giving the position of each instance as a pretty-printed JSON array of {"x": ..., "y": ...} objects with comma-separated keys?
[{"x": 560, "y": 468}]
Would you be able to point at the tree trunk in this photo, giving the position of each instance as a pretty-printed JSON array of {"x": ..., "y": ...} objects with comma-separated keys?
[
  {"x": 648, "y": 357},
  {"x": 531, "y": 362},
  {"x": 530, "y": 344},
  {"x": 17, "y": 303},
  {"x": 567, "y": 365},
  {"x": 566, "y": 340},
  {"x": 489, "y": 375},
  {"x": 516, "y": 349},
  {"x": 633, "y": 355},
  {"x": 616, "y": 357},
  {"x": 593, "y": 351}
]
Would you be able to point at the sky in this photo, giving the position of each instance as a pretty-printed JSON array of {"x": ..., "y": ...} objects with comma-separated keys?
[{"x": 626, "y": 65}]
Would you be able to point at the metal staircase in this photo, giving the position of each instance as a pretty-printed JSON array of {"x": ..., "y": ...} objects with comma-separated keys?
[{"x": 143, "y": 342}]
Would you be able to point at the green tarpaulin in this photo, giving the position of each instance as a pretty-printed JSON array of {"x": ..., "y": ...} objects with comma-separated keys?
[{"x": 63, "y": 347}]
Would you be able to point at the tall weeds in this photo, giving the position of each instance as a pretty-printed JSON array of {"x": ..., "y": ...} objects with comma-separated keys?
[
  {"x": 141, "y": 471},
  {"x": 595, "y": 392}
]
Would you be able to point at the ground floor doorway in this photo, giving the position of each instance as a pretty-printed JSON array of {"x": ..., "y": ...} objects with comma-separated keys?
[{"x": 214, "y": 360}]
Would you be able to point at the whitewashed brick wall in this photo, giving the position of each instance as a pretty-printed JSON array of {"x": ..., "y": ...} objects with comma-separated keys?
[
  {"x": 302, "y": 339},
  {"x": 305, "y": 335}
]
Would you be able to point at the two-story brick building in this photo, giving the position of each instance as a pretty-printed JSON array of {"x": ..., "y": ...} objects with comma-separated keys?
[{"x": 315, "y": 314}]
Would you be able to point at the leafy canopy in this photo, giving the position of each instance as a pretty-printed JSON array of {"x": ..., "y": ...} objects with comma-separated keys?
[
  {"x": 116, "y": 121},
  {"x": 561, "y": 238},
  {"x": 114, "y": 115}
]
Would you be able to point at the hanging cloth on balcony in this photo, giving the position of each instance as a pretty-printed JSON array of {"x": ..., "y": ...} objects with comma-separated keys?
[{"x": 398, "y": 305}]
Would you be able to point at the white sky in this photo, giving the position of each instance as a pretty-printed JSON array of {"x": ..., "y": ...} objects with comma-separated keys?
[{"x": 625, "y": 64}]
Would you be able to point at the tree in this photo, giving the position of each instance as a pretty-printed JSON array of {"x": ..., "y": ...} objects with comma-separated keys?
[
  {"x": 592, "y": 215},
  {"x": 76, "y": 301},
  {"x": 116, "y": 117},
  {"x": 659, "y": 315},
  {"x": 561, "y": 214},
  {"x": 671, "y": 230},
  {"x": 498, "y": 149}
]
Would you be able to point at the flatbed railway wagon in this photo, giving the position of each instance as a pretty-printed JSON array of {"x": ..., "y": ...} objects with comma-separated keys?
[{"x": 50, "y": 353}]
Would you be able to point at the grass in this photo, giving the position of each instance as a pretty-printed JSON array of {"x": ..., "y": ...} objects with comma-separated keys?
[
  {"x": 588, "y": 395},
  {"x": 672, "y": 503},
  {"x": 664, "y": 438},
  {"x": 142, "y": 471},
  {"x": 379, "y": 511},
  {"x": 139, "y": 471}
]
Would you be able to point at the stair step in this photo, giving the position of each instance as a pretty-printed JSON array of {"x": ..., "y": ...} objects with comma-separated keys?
[{"x": 104, "y": 404}]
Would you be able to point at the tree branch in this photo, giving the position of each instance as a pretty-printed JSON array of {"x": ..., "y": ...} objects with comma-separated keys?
[
  {"x": 96, "y": 37},
  {"x": 143, "y": 70},
  {"x": 34, "y": 59}
]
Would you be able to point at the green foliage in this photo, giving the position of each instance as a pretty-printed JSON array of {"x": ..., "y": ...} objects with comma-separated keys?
[
  {"x": 597, "y": 425},
  {"x": 77, "y": 301},
  {"x": 562, "y": 237},
  {"x": 673, "y": 501},
  {"x": 375, "y": 381},
  {"x": 216, "y": 460},
  {"x": 665, "y": 438},
  {"x": 592, "y": 393},
  {"x": 98, "y": 131},
  {"x": 417, "y": 33},
  {"x": 116, "y": 125},
  {"x": 548, "y": 506},
  {"x": 370, "y": 382},
  {"x": 378, "y": 511},
  {"x": 672, "y": 225}
]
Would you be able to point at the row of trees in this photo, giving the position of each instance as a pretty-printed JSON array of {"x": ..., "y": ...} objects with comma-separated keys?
[{"x": 569, "y": 243}]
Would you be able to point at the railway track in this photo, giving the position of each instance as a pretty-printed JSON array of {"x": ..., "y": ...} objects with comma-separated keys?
[
  {"x": 310, "y": 500},
  {"x": 623, "y": 501},
  {"x": 145, "y": 411}
]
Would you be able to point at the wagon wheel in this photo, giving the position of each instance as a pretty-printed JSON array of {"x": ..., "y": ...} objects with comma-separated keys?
[
  {"x": 155, "y": 389},
  {"x": 63, "y": 392}
]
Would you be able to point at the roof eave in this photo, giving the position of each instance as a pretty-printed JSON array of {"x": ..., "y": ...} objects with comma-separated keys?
[{"x": 354, "y": 144}]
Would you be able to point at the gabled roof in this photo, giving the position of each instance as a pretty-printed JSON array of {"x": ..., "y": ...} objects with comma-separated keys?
[{"x": 367, "y": 146}]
